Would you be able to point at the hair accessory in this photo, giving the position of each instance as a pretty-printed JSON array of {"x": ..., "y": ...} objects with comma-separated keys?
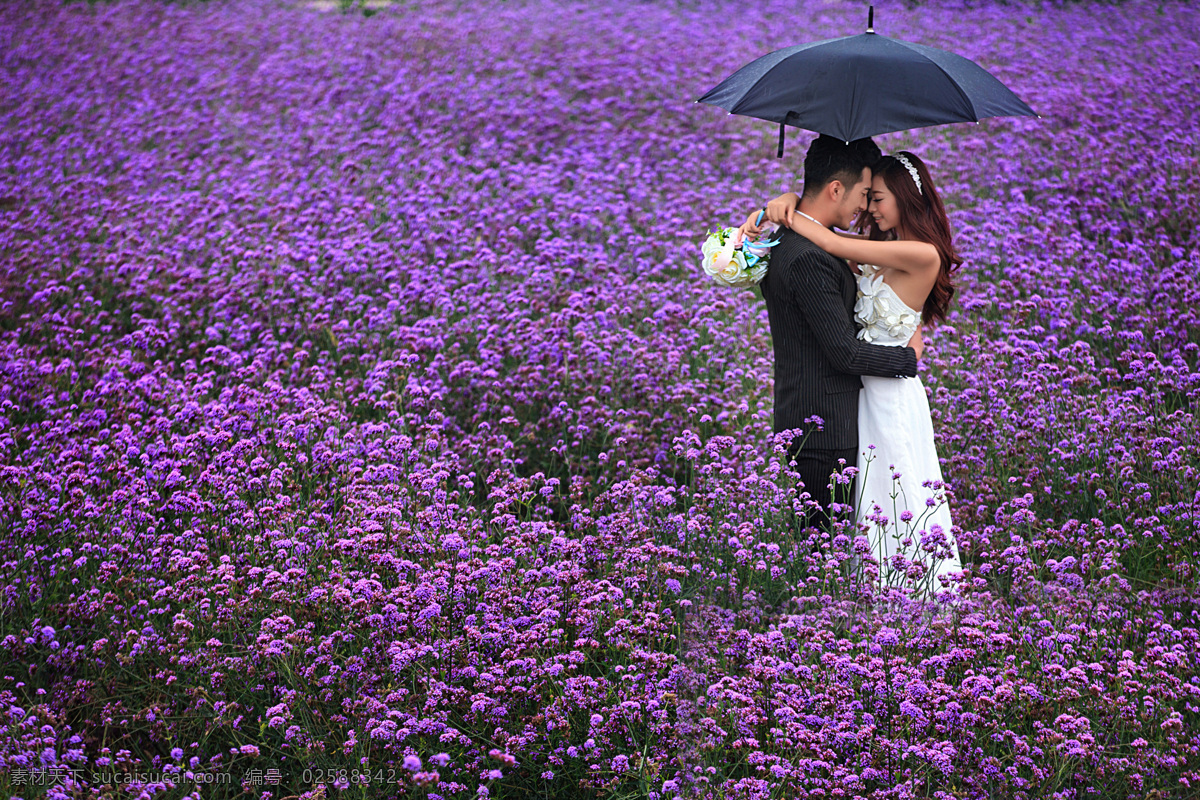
[{"x": 908, "y": 165}]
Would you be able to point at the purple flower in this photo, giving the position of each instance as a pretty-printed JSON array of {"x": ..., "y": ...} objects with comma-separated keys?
[{"x": 350, "y": 384}]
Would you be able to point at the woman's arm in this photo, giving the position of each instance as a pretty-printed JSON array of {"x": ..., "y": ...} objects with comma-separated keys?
[{"x": 912, "y": 257}]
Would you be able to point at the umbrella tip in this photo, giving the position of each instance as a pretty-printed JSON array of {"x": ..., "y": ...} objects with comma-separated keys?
[{"x": 870, "y": 19}]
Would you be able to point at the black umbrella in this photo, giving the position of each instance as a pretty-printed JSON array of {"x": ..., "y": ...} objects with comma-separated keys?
[{"x": 864, "y": 85}]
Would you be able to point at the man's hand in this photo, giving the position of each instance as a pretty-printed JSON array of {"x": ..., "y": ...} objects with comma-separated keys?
[
  {"x": 783, "y": 208},
  {"x": 917, "y": 343}
]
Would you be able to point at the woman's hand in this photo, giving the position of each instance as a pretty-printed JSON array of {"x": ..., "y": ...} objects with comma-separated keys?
[
  {"x": 752, "y": 227},
  {"x": 917, "y": 343},
  {"x": 782, "y": 209}
]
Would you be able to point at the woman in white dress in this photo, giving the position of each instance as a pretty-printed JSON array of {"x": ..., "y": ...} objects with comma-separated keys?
[{"x": 905, "y": 259}]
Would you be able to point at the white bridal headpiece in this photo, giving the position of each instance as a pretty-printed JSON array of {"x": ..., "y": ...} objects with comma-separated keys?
[{"x": 908, "y": 165}]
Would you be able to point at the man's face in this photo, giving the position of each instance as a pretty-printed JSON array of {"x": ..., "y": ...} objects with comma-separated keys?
[{"x": 854, "y": 200}]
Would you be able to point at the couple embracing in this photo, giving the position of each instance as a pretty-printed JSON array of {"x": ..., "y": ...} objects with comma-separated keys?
[{"x": 846, "y": 312}]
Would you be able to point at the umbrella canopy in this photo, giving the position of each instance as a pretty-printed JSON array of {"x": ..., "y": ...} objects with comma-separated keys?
[{"x": 864, "y": 85}]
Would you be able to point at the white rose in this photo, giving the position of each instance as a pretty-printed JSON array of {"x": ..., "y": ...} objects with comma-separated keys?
[
  {"x": 711, "y": 250},
  {"x": 733, "y": 269}
]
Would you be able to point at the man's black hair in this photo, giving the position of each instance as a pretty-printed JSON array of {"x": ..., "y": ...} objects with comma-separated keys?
[{"x": 829, "y": 159}]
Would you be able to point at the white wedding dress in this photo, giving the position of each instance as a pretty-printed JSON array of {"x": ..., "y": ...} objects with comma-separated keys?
[{"x": 907, "y": 518}]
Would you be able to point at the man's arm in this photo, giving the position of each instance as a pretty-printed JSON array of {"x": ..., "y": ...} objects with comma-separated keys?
[{"x": 815, "y": 289}]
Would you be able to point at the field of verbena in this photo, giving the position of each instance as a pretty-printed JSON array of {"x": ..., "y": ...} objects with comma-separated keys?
[{"x": 365, "y": 412}]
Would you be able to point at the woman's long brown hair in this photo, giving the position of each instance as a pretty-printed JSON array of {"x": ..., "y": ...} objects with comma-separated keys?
[{"x": 923, "y": 219}]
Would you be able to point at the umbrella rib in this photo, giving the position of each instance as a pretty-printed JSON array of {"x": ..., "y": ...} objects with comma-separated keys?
[
  {"x": 966, "y": 98},
  {"x": 741, "y": 100}
]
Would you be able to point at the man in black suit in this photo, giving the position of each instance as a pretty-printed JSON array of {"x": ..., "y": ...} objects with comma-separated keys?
[{"x": 810, "y": 303}]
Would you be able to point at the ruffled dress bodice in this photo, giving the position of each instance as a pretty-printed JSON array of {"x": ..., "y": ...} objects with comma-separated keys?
[{"x": 882, "y": 315}]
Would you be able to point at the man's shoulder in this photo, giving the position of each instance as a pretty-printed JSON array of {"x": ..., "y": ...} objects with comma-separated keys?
[{"x": 793, "y": 246}]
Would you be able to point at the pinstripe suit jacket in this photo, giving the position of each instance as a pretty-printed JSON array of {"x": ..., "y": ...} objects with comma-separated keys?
[{"x": 818, "y": 357}]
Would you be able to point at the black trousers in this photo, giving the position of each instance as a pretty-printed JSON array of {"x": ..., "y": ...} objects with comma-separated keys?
[{"x": 815, "y": 467}]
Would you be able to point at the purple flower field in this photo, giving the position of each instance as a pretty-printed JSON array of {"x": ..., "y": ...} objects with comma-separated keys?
[{"x": 368, "y": 427}]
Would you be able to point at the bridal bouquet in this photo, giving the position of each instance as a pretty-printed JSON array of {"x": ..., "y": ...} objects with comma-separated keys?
[{"x": 732, "y": 260}]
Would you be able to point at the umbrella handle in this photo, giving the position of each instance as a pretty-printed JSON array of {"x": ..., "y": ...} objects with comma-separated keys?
[{"x": 779, "y": 154}]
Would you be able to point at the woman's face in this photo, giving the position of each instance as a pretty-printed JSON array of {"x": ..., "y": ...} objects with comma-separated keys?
[{"x": 883, "y": 205}]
